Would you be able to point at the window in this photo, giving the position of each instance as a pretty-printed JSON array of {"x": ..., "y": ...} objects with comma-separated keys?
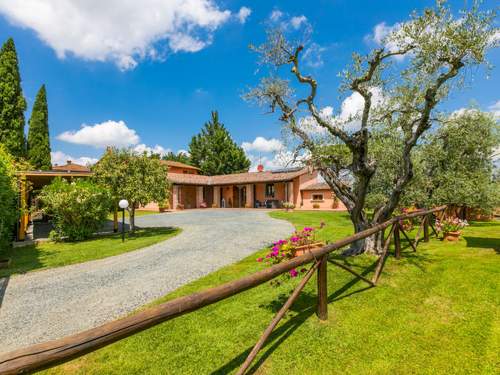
[
  {"x": 317, "y": 197},
  {"x": 270, "y": 190}
]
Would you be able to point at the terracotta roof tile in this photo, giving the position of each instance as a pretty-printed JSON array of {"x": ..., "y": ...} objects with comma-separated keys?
[
  {"x": 71, "y": 167},
  {"x": 236, "y": 178},
  {"x": 172, "y": 163},
  {"x": 317, "y": 186}
]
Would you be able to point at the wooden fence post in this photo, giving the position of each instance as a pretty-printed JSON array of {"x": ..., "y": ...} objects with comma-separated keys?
[
  {"x": 397, "y": 240},
  {"x": 426, "y": 228},
  {"x": 322, "y": 308}
]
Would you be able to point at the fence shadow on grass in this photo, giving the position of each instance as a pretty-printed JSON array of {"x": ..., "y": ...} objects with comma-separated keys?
[{"x": 304, "y": 307}]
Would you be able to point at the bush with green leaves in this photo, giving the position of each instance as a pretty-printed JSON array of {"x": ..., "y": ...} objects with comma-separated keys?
[
  {"x": 78, "y": 208},
  {"x": 8, "y": 194}
]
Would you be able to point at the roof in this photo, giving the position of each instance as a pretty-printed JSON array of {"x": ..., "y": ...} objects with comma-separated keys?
[
  {"x": 317, "y": 186},
  {"x": 178, "y": 164},
  {"x": 71, "y": 167},
  {"x": 236, "y": 178}
]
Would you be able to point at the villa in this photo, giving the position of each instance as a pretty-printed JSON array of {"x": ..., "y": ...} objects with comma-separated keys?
[{"x": 262, "y": 189}]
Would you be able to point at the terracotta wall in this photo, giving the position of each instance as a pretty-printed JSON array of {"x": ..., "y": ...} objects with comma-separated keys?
[
  {"x": 325, "y": 204},
  {"x": 188, "y": 196},
  {"x": 182, "y": 170},
  {"x": 279, "y": 192}
]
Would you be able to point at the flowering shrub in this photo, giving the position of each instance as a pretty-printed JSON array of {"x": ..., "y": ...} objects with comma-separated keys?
[
  {"x": 283, "y": 250},
  {"x": 78, "y": 209},
  {"x": 450, "y": 224},
  {"x": 288, "y": 206}
]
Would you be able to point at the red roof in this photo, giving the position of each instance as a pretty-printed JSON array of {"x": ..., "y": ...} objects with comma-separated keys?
[
  {"x": 71, "y": 167},
  {"x": 172, "y": 163},
  {"x": 317, "y": 186},
  {"x": 236, "y": 178}
]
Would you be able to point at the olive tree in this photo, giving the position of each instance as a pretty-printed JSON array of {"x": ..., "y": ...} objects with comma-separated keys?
[
  {"x": 436, "y": 47},
  {"x": 138, "y": 178}
]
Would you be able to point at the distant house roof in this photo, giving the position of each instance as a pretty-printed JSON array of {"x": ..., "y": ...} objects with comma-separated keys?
[
  {"x": 236, "y": 178},
  {"x": 172, "y": 163},
  {"x": 71, "y": 167},
  {"x": 317, "y": 186}
]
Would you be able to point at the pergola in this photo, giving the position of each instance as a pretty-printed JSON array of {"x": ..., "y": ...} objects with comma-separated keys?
[{"x": 35, "y": 180}]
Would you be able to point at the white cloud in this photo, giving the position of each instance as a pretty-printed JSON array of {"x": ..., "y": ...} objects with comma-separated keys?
[
  {"x": 381, "y": 36},
  {"x": 243, "y": 14},
  {"x": 297, "y": 21},
  {"x": 121, "y": 31},
  {"x": 313, "y": 55},
  {"x": 157, "y": 149},
  {"x": 262, "y": 144},
  {"x": 60, "y": 158},
  {"x": 276, "y": 15},
  {"x": 349, "y": 117},
  {"x": 495, "y": 109},
  {"x": 108, "y": 133},
  {"x": 182, "y": 151}
]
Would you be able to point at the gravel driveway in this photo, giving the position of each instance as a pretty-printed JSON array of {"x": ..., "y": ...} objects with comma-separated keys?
[{"x": 45, "y": 305}]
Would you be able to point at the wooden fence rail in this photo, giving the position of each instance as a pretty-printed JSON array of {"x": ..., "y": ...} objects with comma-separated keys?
[{"x": 58, "y": 351}]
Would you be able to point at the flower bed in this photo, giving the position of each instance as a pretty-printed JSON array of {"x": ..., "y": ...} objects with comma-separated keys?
[{"x": 298, "y": 244}]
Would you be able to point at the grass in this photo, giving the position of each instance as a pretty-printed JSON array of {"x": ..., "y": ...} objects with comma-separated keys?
[
  {"x": 56, "y": 254},
  {"x": 137, "y": 213},
  {"x": 434, "y": 312}
]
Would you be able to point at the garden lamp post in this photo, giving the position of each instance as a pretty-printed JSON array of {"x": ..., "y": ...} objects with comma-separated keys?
[{"x": 123, "y": 204}]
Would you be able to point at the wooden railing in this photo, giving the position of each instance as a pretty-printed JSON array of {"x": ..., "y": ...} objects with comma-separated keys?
[{"x": 58, "y": 351}]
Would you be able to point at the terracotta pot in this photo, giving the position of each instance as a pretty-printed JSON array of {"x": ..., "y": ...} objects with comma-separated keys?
[
  {"x": 451, "y": 236},
  {"x": 301, "y": 250}
]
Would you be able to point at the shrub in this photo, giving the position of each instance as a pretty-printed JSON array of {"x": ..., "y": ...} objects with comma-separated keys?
[
  {"x": 78, "y": 209},
  {"x": 8, "y": 194},
  {"x": 316, "y": 205}
]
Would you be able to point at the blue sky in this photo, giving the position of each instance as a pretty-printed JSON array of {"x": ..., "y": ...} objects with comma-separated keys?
[{"x": 150, "y": 72}]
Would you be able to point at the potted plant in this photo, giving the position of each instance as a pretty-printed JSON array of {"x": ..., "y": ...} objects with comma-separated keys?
[
  {"x": 298, "y": 244},
  {"x": 164, "y": 206},
  {"x": 450, "y": 227},
  {"x": 316, "y": 205}
]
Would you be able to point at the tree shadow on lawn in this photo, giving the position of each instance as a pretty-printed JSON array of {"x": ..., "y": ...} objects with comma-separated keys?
[
  {"x": 483, "y": 243},
  {"x": 305, "y": 307}
]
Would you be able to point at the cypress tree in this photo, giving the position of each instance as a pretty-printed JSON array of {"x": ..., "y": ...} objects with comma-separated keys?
[
  {"x": 38, "y": 134},
  {"x": 12, "y": 102}
]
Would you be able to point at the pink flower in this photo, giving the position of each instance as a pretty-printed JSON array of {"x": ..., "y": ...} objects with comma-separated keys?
[
  {"x": 295, "y": 239},
  {"x": 293, "y": 272},
  {"x": 260, "y": 259},
  {"x": 308, "y": 229},
  {"x": 275, "y": 248}
]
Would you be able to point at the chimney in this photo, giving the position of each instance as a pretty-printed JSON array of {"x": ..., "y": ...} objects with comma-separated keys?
[
  {"x": 69, "y": 162},
  {"x": 260, "y": 168}
]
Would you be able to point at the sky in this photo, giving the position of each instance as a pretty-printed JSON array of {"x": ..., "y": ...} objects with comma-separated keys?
[{"x": 146, "y": 74}]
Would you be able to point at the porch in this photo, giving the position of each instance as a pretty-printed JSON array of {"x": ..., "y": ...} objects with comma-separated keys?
[{"x": 256, "y": 195}]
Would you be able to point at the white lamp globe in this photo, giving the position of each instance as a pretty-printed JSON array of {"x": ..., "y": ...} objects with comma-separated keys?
[{"x": 123, "y": 204}]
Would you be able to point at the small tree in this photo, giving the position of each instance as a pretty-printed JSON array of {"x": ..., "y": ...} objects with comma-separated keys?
[
  {"x": 455, "y": 165},
  {"x": 436, "y": 46},
  {"x": 215, "y": 152},
  {"x": 78, "y": 209},
  {"x": 12, "y": 102},
  {"x": 140, "y": 179},
  {"x": 8, "y": 194},
  {"x": 38, "y": 134}
]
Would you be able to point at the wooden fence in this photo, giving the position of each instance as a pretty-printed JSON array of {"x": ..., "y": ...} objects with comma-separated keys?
[{"x": 58, "y": 351}]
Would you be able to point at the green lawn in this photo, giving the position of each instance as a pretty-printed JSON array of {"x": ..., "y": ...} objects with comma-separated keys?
[
  {"x": 434, "y": 312},
  {"x": 137, "y": 213},
  {"x": 55, "y": 254}
]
